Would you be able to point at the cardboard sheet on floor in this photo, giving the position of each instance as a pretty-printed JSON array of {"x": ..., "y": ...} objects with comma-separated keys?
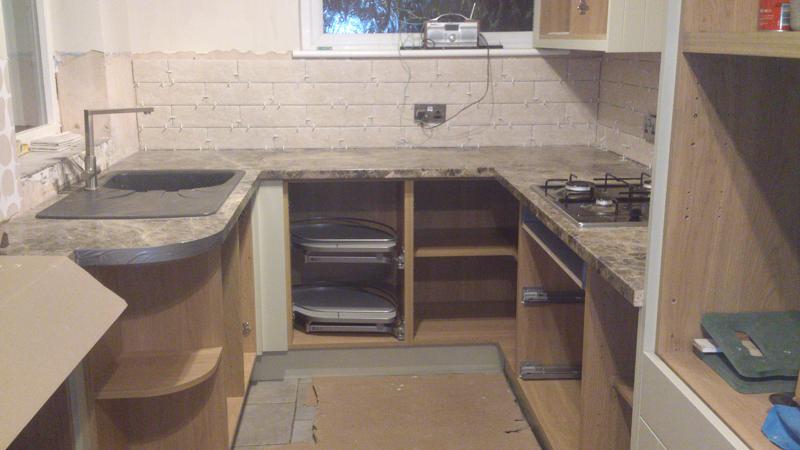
[
  {"x": 464, "y": 411},
  {"x": 52, "y": 313}
]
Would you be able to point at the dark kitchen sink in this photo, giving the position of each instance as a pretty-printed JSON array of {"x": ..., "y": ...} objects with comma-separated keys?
[{"x": 149, "y": 194}]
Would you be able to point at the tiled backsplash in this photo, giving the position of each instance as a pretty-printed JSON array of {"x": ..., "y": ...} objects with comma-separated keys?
[
  {"x": 9, "y": 191},
  {"x": 628, "y": 92},
  {"x": 241, "y": 101}
]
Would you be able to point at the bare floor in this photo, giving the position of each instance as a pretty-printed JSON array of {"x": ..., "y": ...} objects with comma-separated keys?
[{"x": 458, "y": 411}]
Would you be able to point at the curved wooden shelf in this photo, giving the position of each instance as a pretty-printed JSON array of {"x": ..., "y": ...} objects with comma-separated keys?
[{"x": 151, "y": 374}]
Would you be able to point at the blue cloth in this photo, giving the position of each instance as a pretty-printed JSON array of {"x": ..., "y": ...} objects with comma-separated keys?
[{"x": 782, "y": 427}]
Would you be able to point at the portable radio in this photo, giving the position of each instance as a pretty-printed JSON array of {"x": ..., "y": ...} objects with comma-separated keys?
[{"x": 443, "y": 34}]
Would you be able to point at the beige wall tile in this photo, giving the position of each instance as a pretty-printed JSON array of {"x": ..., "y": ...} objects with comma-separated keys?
[
  {"x": 444, "y": 136},
  {"x": 150, "y": 70},
  {"x": 159, "y": 118},
  {"x": 338, "y": 70},
  {"x": 242, "y": 138},
  {"x": 567, "y": 91},
  {"x": 581, "y": 112},
  {"x": 361, "y": 137},
  {"x": 584, "y": 69},
  {"x": 339, "y": 115},
  {"x": 502, "y": 135},
  {"x": 626, "y": 120},
  {"x": 396, "y": 70},
  {"x": 157, "y": 94},
  {"x": 626, "y": 145},
  {"x": 173, "y": 139},
  {"x": 239, "y": 94},
  {"x": 455, "y": 92},
  {"x": 466, "y": 69},
  {"x": 323, "y": 93},
  {"x": 507, "y": 92},
  {"x": 272, "y": 70},
  {"x": 206, "y": 116},
  {"x": 273, "y": 116},
  {"x": 202, "y": 70},
  {"x": 582, "y": 134},
  {"x": 533, "y": 113},
  {"x": 534, "y": 69}
]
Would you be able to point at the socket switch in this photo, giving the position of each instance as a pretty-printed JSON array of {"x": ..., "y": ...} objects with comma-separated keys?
[
  {"x": 429, "y": 113},
  {"x": 650, "y": 128}
]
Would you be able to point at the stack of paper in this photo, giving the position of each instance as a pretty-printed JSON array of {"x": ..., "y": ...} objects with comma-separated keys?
[{"x": 57, "y": 143}]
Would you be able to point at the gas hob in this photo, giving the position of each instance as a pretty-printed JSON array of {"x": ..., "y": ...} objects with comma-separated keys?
[{"x": 601, "y": 202}]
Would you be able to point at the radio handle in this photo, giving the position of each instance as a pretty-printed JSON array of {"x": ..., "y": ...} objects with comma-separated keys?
[{"x": 436, "y": 19}]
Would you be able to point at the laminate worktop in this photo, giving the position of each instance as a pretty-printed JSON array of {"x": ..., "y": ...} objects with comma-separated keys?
[{"x": 618, "y": 253}]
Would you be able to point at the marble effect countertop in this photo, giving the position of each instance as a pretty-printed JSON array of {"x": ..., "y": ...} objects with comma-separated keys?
[{"x": 618, "y": 253}]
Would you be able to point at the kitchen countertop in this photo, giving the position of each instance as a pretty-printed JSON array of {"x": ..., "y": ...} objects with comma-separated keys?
[{"x": 618, "y": 253}]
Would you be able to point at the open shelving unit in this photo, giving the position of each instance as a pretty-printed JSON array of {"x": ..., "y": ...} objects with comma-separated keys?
[
  {"x": 174, "y": 370},
  {"x": 465, "y": 269},
  {"x": 736, "y": 100}
]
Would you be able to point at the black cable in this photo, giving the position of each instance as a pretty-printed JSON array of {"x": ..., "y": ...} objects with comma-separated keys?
[{"x": 485, "y": 92}]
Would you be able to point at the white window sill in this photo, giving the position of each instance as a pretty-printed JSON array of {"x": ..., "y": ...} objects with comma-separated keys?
[
  {"x": 459, "y": 53},
  {"x": 31, "y": 134}
]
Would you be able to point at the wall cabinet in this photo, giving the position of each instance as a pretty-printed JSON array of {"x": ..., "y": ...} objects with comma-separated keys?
[{"x": 613, "y": 26}]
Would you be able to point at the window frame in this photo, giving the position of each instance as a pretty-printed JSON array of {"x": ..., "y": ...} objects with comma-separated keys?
[
  {"x": 53, "y": 124},
  {"x": 313, "y": 37}
]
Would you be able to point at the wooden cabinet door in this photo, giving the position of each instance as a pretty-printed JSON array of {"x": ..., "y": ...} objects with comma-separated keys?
[{"x": 592, "y": 22}]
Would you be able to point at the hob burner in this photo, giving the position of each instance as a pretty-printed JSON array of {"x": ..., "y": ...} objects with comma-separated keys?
[{"x": 604, "y": 201}]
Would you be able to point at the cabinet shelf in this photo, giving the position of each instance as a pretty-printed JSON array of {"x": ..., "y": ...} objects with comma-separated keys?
[
  {"x": 744, "y": 413},
  {"x": 464, "y": 242},
  {"x": 768, "y": 44},
  {"x": 561, "y": 429},
  {"x": 152, "y": 374}
]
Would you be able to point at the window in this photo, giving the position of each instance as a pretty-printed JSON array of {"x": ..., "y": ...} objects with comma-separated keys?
[
  {"x": 27, "y": 64},
  {"x": 353, "y": 24}
]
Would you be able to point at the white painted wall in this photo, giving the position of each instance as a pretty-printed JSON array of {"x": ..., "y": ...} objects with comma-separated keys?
[{"x": 141, "y": 26}]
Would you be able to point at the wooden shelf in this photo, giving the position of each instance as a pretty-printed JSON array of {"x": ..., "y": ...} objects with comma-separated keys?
[
  {"x": 460, "y": 242},
  {"x": 743, "y": 413},
  {"x": 151, "y": 374},
  {"x": 556, "y": 409},
  {"x": 764, "y": 43},
  {"x": 624, "y": 389},
  {"x": 482, "y": 330},
  {"x": 303, "y": 340}
]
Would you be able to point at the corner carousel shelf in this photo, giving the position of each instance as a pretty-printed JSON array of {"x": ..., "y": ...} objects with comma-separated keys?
[
  {"x": 464, "y": 242},
  {"x": 152, "y": 374},
  {"x": 756, "y": 43}
]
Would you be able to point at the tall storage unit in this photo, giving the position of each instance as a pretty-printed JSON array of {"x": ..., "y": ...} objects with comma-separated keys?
[{"x": 725, "y": 221}]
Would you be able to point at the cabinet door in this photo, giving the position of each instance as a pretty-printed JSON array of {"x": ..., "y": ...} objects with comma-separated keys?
[{"x": 588, "y": 18}]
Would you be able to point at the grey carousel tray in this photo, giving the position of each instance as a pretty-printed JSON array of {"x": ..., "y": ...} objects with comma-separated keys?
[
  {"x": 343, "y": 235},
  {"x": 344, "y": 309}
]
